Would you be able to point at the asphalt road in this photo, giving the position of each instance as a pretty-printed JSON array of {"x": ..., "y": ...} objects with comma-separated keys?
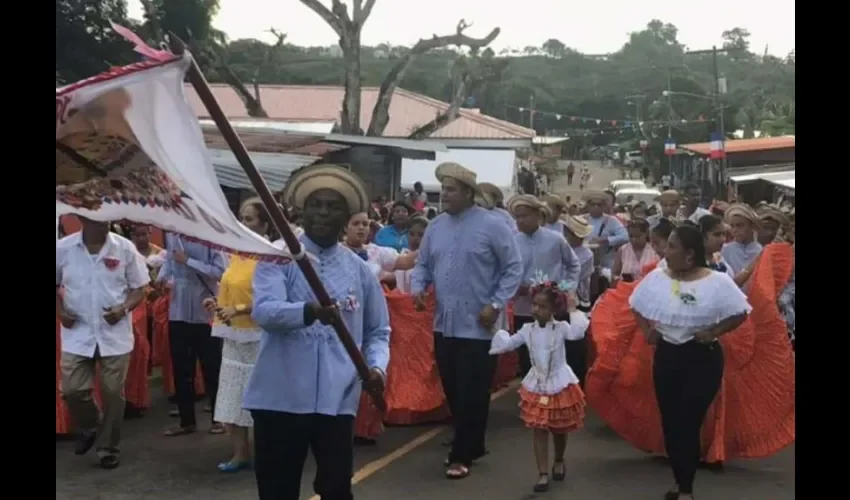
[{"x": 600, "y": 466}]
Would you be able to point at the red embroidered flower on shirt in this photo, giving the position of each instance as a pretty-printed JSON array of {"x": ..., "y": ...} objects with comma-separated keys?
[{"x": 111, "y": 263}]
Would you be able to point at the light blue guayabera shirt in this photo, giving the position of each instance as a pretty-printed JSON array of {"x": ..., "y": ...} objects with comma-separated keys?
[
  {"x": 390, "y": 237},
  {"x": 305, "y": 369},
  {"x": 556, "y": 226},
  {"x": 193, "y": 281},
  {"x": 545, "y": 255},
  {"x": 738, "y": 255},
  {"x": 614, "y": 231},
  {"x": 508, "y": 218},
  {"x": 472, "y": 260}
]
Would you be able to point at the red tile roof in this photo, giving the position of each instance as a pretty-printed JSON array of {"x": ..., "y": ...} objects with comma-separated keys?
[
  {"x": 408, "y": 110},
  {"x": 745, "y": 145}
]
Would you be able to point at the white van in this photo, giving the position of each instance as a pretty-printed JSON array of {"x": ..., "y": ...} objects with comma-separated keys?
[
  {"x": 616, "y": 186},
  {"x": 633, "y": 159}
]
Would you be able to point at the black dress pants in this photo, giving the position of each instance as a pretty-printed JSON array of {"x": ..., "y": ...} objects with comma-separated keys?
[
  {"x": 466, "y": 372},
  {"x": 281, "y": 441},
  {"x": 189, "y": 343},
  {"x": 687, "y": 378}
]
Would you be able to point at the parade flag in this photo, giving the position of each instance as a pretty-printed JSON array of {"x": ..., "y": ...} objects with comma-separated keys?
[
  {"x": 716, "y": 148},
  {"x": 129, "y": 147},
  {"x": 670, "y": 146}
]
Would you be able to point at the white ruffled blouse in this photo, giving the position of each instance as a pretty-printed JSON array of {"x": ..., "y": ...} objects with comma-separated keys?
[
  {"x": 680, "y": 309},
  {"x": 549, "y": 373}
]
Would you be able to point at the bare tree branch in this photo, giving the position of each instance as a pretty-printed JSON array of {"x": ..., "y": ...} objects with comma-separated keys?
[
  {"x": 362, "y": 12},
  {"x": 380, "y": 113},
  {"x": 333, "y": 21},
  {"x": 252, "y": 103},
  {"x": 450, "y": 114}
]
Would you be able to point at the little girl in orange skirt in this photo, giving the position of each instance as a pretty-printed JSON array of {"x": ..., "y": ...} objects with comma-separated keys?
[{"x": 551, "y": 400}]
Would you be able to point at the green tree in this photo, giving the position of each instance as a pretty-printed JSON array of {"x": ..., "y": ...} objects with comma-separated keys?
[{"x": 85, "y": 43}]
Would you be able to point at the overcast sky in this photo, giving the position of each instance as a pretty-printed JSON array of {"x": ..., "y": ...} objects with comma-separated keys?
[{"x": 592, "y": 27}]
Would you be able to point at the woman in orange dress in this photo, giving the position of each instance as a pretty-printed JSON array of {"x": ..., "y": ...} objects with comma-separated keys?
[
  {"x": 383, "y": 262},
  {"x": 753, "y": 414}
]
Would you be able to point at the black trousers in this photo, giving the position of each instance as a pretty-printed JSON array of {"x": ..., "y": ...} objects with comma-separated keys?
[
  {"x": 576, "y": 352},
  {"x": 687, "y": 378},
  {"x": 281, "y": 441},
  {"x": 190, "y": 342},
  {"x": 466, "y": 372}
]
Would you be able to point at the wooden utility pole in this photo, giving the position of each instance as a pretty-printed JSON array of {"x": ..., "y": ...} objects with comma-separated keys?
[
  {"x": 721, "y": 129},
  {"x": 531, "y": 111}
]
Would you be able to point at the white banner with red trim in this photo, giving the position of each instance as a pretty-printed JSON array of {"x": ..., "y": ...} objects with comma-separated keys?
[{"x": 129, "y": 147}]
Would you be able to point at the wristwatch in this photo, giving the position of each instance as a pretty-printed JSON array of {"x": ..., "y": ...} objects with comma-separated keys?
[{"x": 241, "y": 308}]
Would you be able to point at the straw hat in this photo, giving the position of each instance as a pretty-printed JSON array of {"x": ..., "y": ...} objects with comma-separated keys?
[
  {"x": 492, "y": 192},
  {"x": 577, "y": 225},
  {"x": 461, "y": 174},
  {"x": 742, "y": 211},
  {"x": 526, "y": 200},
  {"x": 326, "y": 176},
  {"x": 669, "y": 195},
  {"x": 483, "y": 200},
  {"x": 769, "y": 212},
  {"x": 595, "y": 196},
  {"x": 553, "y": 201}
]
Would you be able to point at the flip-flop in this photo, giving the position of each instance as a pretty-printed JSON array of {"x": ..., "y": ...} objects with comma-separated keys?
[
  {"x": 217, "y": 428},
  {"x": 232, "y": 466},
  {"x": 457, "y": 471},
  {"x": 180, "y": 431}
]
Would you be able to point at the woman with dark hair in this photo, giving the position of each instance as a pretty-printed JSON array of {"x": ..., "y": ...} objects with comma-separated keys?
[
  {"x": 683, "y": 310},
  {"x": 714, "y": 232},
  {"x": 394, "y": 234}
]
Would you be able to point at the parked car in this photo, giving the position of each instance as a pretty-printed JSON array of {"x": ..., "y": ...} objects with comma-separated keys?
[
  {"x": 633, "y": 159},
  {"x": 616, "y": 186},
  {"x": 646, "y": 195}
]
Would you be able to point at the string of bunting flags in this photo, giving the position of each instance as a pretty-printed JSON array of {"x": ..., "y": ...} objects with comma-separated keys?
[{"x": 602, "y": 122}]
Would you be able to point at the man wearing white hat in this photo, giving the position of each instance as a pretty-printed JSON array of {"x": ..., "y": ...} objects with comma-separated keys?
[
  {"x": 608, "y": 234},
  {"x": 303, "y": 393},
  {"x": 470, "y": 257},
  {"x": 546, "y": 256}
]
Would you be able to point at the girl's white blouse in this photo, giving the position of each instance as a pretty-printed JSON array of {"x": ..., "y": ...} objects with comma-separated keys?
[
  {"x": 549, "y": 373},
  {"x": 381, "y": 259},
  {"x": 680, "y": 309}
]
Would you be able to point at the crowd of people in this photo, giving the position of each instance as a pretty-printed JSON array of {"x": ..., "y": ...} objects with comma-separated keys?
[{"x": 671, "y": 321}]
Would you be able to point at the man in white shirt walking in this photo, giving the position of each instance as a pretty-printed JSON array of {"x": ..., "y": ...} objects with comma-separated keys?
[{"x": 103, "y": 277}]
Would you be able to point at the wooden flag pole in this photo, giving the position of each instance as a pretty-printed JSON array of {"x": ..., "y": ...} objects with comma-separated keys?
[{"x": 199, "y": 82}]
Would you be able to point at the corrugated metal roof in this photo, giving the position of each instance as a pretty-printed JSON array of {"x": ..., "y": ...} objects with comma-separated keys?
[
  {"x": 320, "y": 127},
  {"x": 274, "y": 167},
  {"x": 786, "y": 179},
  {"x": 317, "y": 103},
  {"x": 746, "y": 145}
]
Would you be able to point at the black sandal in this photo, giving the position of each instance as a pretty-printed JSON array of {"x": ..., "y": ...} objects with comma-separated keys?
[
  {"x": 542, "y": 483},
  {"x": 180, "y": 431},
  {"x": 110, "y": 462},
  {"x": 559, "y": 476}
]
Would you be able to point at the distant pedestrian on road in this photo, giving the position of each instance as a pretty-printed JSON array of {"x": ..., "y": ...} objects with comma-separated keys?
[
  {"x": 584, "y": 178},
  {"x": 551, "y": 400},
  {"x": 571, "y": 170}
]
